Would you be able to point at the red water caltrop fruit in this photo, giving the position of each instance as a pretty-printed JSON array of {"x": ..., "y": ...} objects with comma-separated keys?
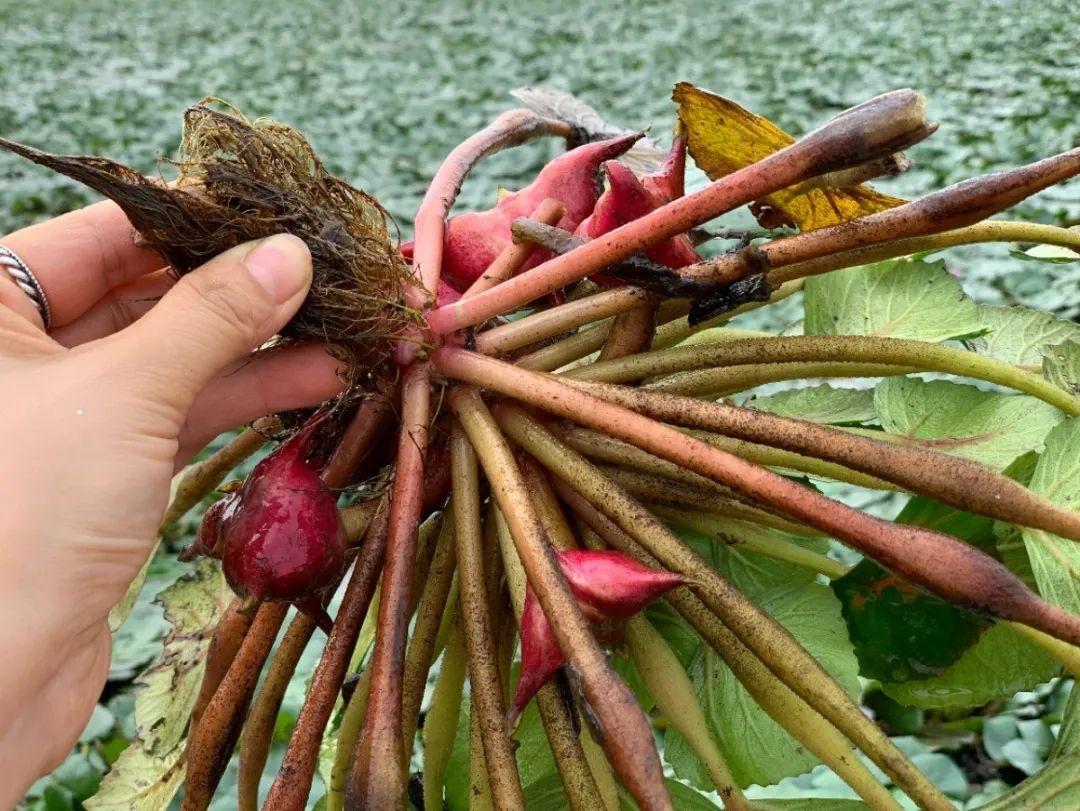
[
  {"x": 613, "y": 584},
  {"x": 283, "y": 539},
  {"x": 669, "y": 181},
  {"x": 541, "y": 656},
  {"x": 474, "y": 239},
  {"x": 209, "y": 538},
  {"x": 606, "y": 584},
  {"x": 626, "y": 199}
]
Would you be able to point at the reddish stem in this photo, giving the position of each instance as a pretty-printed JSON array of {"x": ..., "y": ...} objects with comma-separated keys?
[
  {"x": 509, "y": 129},
  {"x": 515, "y": 255},
  {"x": 377, "y": 778},
  {"x": 863, "y": 133},
  {"x": 944, "y": 565},
  {"x": 293, "y": 782}
]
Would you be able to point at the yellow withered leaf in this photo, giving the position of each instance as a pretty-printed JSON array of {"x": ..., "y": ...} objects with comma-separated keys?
[{"x": 723, "y": 137}]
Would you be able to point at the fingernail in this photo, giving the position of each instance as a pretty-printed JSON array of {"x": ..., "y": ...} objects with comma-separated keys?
[{"x": 281, "y": 264}]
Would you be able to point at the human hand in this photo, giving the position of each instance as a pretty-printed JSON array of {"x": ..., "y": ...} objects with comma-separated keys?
[{"x": 138, "y": 372}]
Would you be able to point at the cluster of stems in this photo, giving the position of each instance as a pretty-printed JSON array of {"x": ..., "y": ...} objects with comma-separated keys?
[{"x": 550, "y": 451}]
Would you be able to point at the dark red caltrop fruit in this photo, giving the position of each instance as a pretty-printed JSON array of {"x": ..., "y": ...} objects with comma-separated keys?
[
  {"x": 607, "y": 585},
  {"x": 669, "y": 181},
  {"x": 474, "y": 239},
  {"x": 208, "y": 539},
  {"x": 283, "y": 538}
]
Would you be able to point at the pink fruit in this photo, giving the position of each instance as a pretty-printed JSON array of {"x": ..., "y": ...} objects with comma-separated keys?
[
  {"x": 626, "y": 199},
  {"x": 541, "y": 656},
  {"x": 607, "y": 585},
  {"x": 473, "y": 240},
  {"x": 613, "y": 584},
  {"x": 283, "y": 539}
]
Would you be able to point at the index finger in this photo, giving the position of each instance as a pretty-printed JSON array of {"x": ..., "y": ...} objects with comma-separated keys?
[{"x": 80, "y": 256}]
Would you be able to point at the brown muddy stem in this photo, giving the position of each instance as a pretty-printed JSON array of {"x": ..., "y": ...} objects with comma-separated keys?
[
  {"x": 224, "y": 645},
  {"x": 259, "y": 727},
  {"x": 219, "y": 727},
  {"x": 962, "y": 204},
  {"x": 378, "y": 775},
  {"x": 791, "y": 712},
  {"x": 952, "y": 480},
  {"x": 627, "y": 737},
  {"x": 487, "y": 694}
]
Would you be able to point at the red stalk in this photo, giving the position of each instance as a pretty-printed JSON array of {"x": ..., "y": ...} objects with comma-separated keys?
[
  {"x": 879, "y": 127},
  {"x": 377, "y": 779}
]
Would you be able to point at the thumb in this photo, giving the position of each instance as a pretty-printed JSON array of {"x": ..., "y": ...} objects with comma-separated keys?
[{"x": 215, "y": 315}]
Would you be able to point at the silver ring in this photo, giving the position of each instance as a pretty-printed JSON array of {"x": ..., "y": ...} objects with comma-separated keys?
[{"x": 21, "y": 274}]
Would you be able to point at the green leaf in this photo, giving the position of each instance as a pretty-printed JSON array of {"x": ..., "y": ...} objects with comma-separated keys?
[
  {"x": 752, "y": 572},
  {"x": 900, "y": 632},
  {"x": 100, "y": 724},
  {"x": 1055, "y": 561},
  {"x": 546, "y": 794},
  {"x": 757, "y": 749},
  {"x": 998, "y": 665},
  {"x": 139, "y": 781},
  {"x": 823, "y": 404},
  {"x": 166, "y": 691},
  {"x": 456, "y": 782},
  {"x": 1061, "y": 365},
  {"x": 1018, "y": 334},
  {"x": 988, "y": 427},
  {"x": 811, "y": 804},
  {"x": 683, "y": 797},
  {"x": 1055, "y": 788},
  {"x": 898, "y": 299}
]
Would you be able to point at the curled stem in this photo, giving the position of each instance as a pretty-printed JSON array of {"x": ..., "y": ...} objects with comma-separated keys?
[
  {"x": 259, "y": 727},
  {"x": 489, "y": 707},
  {"x": 853, "y": 137},
  {"x": 958, "y": 482},
  {"x": 627, "y": 736},
  {"x": 508, "y": 129}
]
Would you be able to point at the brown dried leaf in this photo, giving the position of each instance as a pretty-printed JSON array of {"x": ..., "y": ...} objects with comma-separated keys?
[{"x": 724, "y": 137}]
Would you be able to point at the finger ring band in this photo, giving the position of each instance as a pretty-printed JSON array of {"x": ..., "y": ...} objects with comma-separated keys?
[{"x": 21, "y": 274}]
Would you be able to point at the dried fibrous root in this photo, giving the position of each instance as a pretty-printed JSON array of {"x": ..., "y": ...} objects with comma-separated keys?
[{"x": 241, "y": 180}]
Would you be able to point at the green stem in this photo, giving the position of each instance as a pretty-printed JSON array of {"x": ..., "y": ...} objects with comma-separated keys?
[
  {"x": 817, "y": 348},
  {"x": 489, "y": 709},
  {"x": 441, "y": 722},
  {"x": 753, "y": 538},
  {"x": 670, "y": 686},
  {"x": 988, "y": 231}
]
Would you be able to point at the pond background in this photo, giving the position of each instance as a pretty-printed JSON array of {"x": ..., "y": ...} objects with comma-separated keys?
[{"x": 385, "y": 89}]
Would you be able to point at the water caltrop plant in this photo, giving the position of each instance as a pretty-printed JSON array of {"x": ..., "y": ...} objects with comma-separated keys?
[{"x": 544, "y": 476}]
